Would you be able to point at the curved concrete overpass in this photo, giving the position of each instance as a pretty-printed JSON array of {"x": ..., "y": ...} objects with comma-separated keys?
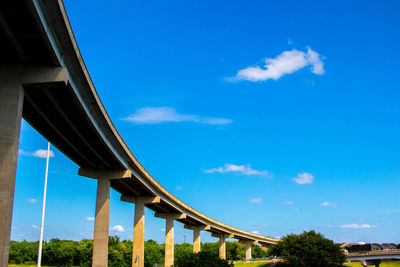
[{"x": 43, "y": 79}]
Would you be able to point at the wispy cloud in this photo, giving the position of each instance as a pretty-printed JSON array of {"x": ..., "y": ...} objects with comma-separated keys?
[
  {"x": 156, "y": 115},
  {"x": 256, "y": 200},
  {"x": 178, "y": 187},
  {"x": 288, "y": 203},
  {"x": 357, "y": 226},
  {"x": 163, "y": 230},
  {"x": 118, "y": 228},
  {"x": 304, "y": 178},
  {"x": 31, "y": 200},
  {"x": 243, "y": 169},
  {"x": 327, "y": 204},
  {"x": 40, "y": 153},
  {"x": 35, "y": 226},
  {"x": 286, "y": 63},
  {"x": 89, "y": 219}
]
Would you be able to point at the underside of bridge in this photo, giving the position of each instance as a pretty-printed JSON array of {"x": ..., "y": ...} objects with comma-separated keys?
[{"x": 36, "y": 40}]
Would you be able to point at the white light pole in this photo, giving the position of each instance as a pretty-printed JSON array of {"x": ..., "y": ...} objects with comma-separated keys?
[{"x": 39, "y": 261}]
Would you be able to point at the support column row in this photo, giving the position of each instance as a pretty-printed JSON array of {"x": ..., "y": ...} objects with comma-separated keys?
[{"x": 196, "y": 235}]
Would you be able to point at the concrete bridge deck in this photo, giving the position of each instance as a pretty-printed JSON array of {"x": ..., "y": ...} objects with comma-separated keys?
[{"x": 43, "y": 79}]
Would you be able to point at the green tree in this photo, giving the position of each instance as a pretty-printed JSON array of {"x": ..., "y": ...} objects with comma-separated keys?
[
  {"x": 153, "y": 253},
  {"x": 257, "y": 252},
  {"x": 235, "y": 251},
  {"x": 309, "y": 249}
]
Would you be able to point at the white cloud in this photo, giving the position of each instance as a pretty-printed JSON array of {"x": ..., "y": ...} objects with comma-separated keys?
[
  {"x": 288, "y": 203},
  {"x": 255, "y": 232},
  {"x": 244, "y": 169},
  {"x": 89, "y": 219},
  {"x": 255, "y": 200},
  {"x": 286, "y": 63},
  {"x": 327, "y": 204},
  {"x": 178, "y": 187},
  {"x": 118, "y": 228},
  {"x": 40, "y": 153},
  {"x": 32, "y": 200},
  {"x": 304, "y": 178},
  {"x": 357, "y": 226},
  {"x": 14, "y": 227},
  {"x": 163, "y": 230},
  {"x": 35, "y": 226},
  {"x": 155, "y": 115}
]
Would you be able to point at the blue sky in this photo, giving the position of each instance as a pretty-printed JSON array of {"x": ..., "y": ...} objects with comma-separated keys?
[{"x": 271, "y": 116}]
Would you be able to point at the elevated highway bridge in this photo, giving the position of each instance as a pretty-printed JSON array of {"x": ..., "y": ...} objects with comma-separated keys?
[
  {"x": 373, "y": 257},
  {"x": 44, "y": 80}
]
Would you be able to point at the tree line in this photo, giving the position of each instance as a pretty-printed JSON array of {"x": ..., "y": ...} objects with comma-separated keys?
[{"x": 58, "y": 252}]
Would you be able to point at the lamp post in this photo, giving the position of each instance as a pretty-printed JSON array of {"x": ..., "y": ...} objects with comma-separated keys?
[{"x": 39, "y": 261}]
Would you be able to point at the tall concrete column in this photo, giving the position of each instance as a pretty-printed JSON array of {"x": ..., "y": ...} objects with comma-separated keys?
[
  {"x": 11, "y": 102},
  {"x": 196, "y": 240},
  {"x": 101, "y": 224},
  {"x": 138, "y": 226},
  {"x": 248, "y": 244},
  {"x": 138, "y": 235},
  {"x": 248, "y": 251},
  {"x": 196, "y": 235},
  {"x": 169, "y": 235},
  {"x": 222, "y": 247},
  {"x": 169, "y": 242}
]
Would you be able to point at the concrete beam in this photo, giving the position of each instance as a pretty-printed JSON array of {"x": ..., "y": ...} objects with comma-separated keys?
[
  {"x": 224, "y": 235},
  {"x": 145, "y": 200},
  {"x": 24, "y": 74},
  {"x": 105, "y": 173},
  {"x": 171, "y": 216},
  {"x": 201, "y": 228}
]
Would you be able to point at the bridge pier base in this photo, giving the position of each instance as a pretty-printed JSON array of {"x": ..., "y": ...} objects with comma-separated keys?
[
  {"x": 11, "y": 102},
  {"x": 371, "y": 262}
]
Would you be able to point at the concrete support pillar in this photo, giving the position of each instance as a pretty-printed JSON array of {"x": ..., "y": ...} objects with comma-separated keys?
[
  {"x": 138, "y": 226},
  {"x": 138, "y": 236},
  {"x": 12, "y": 79},
  {"x": 196, "y": 235},
  {"x": 248, "y": 244},
  {"x": 169, "y": 235},
  {"x": 196, "y": 240},
  {"x": 169, "y": 242},
  {"x": 11, "y": 102},
  {"x": 248, "y": 251},
  {"x": 101, "y": 224},
  {"x": 222, "y": 247}
]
